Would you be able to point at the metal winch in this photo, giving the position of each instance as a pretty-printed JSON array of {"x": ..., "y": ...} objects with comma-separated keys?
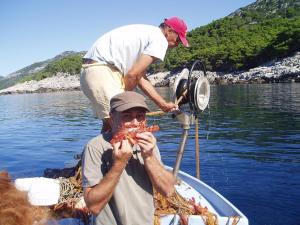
[
  {"x": 191, "y": 92},
  {"x": 192, "y": 89}
]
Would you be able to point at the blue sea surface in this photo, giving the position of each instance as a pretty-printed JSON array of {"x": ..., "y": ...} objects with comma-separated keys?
[{"x": 249, "y": 143}]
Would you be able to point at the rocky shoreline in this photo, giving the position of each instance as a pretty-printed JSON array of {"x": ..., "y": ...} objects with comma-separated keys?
[
  {"x": 285, "y": 70},
  {"x": 60, "y": 82}
]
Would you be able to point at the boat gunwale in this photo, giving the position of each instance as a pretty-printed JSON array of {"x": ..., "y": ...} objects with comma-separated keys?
[{"x": 224, "y": 208}]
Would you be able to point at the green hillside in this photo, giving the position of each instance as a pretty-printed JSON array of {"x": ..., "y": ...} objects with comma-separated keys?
[{"x": 69, "y": 64}]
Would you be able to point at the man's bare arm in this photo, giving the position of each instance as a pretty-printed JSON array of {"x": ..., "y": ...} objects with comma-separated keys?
[
  {"x": 133, "y": 76},
  {"x": 150, "y": 91},
  {"x": 98, "y": 196},
  {"x": 162, "y": 180}
]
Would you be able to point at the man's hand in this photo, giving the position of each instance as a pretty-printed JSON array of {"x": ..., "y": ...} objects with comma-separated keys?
[
  {"x": 122, "y": 151},
  {"x": 168, "y": 107},
  {"x": 147, "y": 142}
]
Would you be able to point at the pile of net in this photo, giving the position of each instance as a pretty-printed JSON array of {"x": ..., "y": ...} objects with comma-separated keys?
[
  {"x": 71, "y": 202},
  {"x": 178, "y": 205}
]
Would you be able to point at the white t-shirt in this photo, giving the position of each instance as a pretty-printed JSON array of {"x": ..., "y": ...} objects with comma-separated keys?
[{"x": 123, "y": 46}]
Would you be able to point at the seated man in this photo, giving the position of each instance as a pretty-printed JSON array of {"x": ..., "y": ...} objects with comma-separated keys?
[{"x": 119, "y": 178}]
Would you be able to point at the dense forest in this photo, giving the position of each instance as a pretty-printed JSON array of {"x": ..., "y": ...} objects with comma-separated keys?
[{"x": 253, "y": 35}]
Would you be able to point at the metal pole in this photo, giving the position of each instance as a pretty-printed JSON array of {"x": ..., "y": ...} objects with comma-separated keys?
[{"x": 180, "y": 151}]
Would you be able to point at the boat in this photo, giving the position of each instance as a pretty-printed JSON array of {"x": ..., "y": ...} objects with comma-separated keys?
[
  {"x": 193, "y": 92},
  {"x": 44, "y": 192}
]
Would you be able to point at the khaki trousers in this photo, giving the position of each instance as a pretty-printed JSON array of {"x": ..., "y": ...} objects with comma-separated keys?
[{"x": 100, "y": 83}]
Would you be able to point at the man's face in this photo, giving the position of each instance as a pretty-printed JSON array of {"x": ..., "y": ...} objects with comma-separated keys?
[
  {"x": 130, "y": 118},
  {"x": 172, "y": 38}
]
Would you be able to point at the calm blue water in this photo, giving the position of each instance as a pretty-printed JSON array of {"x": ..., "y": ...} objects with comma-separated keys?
[{"x": 249, "y": 143}]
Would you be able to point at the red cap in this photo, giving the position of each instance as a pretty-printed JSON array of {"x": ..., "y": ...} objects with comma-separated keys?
[{"x": 179, "y": 26}]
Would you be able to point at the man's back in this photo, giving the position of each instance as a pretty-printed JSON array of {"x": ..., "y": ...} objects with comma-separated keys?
[{"x": 124, "y": 45}]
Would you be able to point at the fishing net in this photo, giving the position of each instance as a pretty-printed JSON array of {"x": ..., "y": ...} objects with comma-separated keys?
[
  {"x": 70, "y": 190},
  {"x": 71, "y": 203},
  {"x": 178, "y": 205}
]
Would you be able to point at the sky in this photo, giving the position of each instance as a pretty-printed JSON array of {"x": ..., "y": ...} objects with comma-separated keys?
[{"x": 37, "y": 30}]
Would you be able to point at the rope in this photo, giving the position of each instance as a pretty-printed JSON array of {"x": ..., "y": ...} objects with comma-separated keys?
[
  {"x": 71, "y": 191},
  {"x": 181, "y": 97},
  {"x": 68, "y": 191},
  {"x": 71, "y": 202},
  {"x": 176, "y": 204},
  {"x": 155, "y": 113},
  {"x": 197, "y": 150},
  {"x": 235, "y": 220}
]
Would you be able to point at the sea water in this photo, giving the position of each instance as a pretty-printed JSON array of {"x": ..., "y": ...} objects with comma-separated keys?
[{"x": 249, "y": 142}]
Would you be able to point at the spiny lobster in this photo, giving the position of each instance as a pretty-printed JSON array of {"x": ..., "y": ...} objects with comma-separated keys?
[{"x": 130, "y": 133}]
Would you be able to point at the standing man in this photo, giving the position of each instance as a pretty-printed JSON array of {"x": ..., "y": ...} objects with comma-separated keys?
[
  {"x": 118, "y": 61},
  {"x": 118, "y": 179}
]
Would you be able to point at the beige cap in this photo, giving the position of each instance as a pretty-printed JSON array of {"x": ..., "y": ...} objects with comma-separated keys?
[{"x": 127, "y": 100}]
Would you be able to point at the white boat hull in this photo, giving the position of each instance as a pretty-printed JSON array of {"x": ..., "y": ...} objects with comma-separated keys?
[{"x": 206, "y": 196}]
